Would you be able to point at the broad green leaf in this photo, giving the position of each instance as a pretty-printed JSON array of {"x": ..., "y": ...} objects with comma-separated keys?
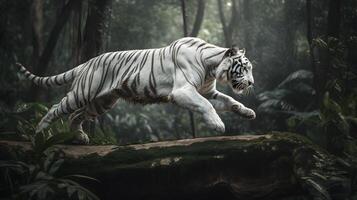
[
  {"x": 55, "y": 166},
  {"x": 82, "y": 177}
]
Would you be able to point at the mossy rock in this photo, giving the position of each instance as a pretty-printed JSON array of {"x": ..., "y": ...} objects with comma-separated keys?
[{"x": 271, "y": 166}]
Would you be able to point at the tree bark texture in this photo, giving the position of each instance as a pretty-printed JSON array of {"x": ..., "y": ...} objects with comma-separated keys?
[
  {"x": 323, "y": 68},
  {"x": 94, "y": 29},
  {"x": 228, "y": 28},
  {"x": 199, "y": 18},
  {"x": 41, "y": 62}
]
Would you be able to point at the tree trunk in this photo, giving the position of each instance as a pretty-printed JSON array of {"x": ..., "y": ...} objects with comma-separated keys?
[
  {"x": 323, "y": 68},
  {"x": 229, "y": 28},
  {"x": 289, "y": 46},
  {"x": 37, "y": 30},
  {"x": 309, "y": 36},
  {"x": 247, "y": 13},
  {"x": 272, "y": 166},
  {"x": 334, "y": 19},
  {"x": 94, "y": 29},
  {"x": 43, "y": 61},
  {"x": 199, "y": 18},
  {"x": 184, "y": 18},
  {"x": 53, "y": 38}
]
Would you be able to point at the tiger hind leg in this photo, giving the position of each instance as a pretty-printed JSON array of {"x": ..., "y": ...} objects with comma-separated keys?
[
  {"x": 91, "y": 111},
  {"x": 47, "y": 119},
  {"x": 66, "y": 106},
  {"x": 75, "y": 122}
]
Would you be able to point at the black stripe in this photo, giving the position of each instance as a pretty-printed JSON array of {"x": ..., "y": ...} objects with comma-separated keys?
[
  {"x": 174, "y": 57},
  {"x": 215, "y": 95},
  {"x": 172, "y": 46},
  {"x": 105, "y": 75},
  {"x": 214, "y": 55},
  {"x": 41, "y": 81},
  {"x": 64, "y": 78},
  {"x": 208, "y": 47},
  {"x": 164, "y": 53},
  {"x": 200, "y": 45},
  {"x": 193, "y": 43},
  {"x": 77, "y": 82},
  {"x": 68, "y": 106},
  {"x": 130, "y": 56},
  {"x": 126, "y": 88},
  {"x": 133, "y": 87},
  {"x": 89, "y": 66},
  {"x": 56, "y": 81},
  {"x": 82, "y": 80},
  {"x": 113, "y": 68},
  {"x": 120, "y": 64},
  {"x": 100, "y": 82},
  {"x": 152, "y": 81},
  {"x": 38, "y": 80},
  {"x": 142, "y": 64},
  {"x": 47, "y": 82},
  {"x": 160, "y": 57},
  {"x": 147, "y": 93},
  {"x": 129, "y": 70}
]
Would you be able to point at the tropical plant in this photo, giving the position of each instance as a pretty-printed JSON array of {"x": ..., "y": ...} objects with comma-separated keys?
[
  {"x": 22, "y": 120},
  {"x": 35, "y": 177},
  {"x": 38, "y": 181},
  {"x": 294, "y": 93}
]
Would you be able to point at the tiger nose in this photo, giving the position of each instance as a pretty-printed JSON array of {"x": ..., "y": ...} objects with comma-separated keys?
[{"x": 250, "y": 83}]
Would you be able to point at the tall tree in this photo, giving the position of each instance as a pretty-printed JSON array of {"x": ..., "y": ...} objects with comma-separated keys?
[
  {"x": 228, "y": 28},
  {"x": 322, "y": 69},
  {"x": 37, "y": 29},
  {"x": 41, "y": 64},
  {"x": 247, "y": 13},
  {"x": 92, "y": 43},
  {"x": 309, "y": 36},
  {"x": 334, "y": 18},
  {"x": 199, "y": 18},
  {"x": 289, "y": 24},
  {"x": 53, "y": 37}
]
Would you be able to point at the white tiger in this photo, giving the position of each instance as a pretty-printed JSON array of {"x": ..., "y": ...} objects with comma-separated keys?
[{"x": 184, "y": 73}]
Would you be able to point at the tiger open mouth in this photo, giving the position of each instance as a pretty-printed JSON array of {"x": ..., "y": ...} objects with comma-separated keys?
[{"x": 241, "y": 88}]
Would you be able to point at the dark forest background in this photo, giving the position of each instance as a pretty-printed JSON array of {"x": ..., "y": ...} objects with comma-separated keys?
[{"x": 304, "y": 54}]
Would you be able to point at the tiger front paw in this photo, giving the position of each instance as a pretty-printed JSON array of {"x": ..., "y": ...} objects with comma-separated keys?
[
  {"x": 250, "y": 114},
  {"x": 244, "y": 112},
  {"x": 80, "y": 137},
  {"x": 215, "y": 123}
]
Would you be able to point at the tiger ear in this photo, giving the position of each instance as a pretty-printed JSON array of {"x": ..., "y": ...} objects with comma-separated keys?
[
  {"x": 242, "y": 51},
  {"x": 231, "y": 51}
]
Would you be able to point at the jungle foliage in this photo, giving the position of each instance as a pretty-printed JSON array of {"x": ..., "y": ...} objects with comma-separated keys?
[{"x": 303, "y": 53}]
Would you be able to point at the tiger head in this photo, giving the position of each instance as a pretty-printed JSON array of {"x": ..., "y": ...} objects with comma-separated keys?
[{"x": 236, "y": 70}]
